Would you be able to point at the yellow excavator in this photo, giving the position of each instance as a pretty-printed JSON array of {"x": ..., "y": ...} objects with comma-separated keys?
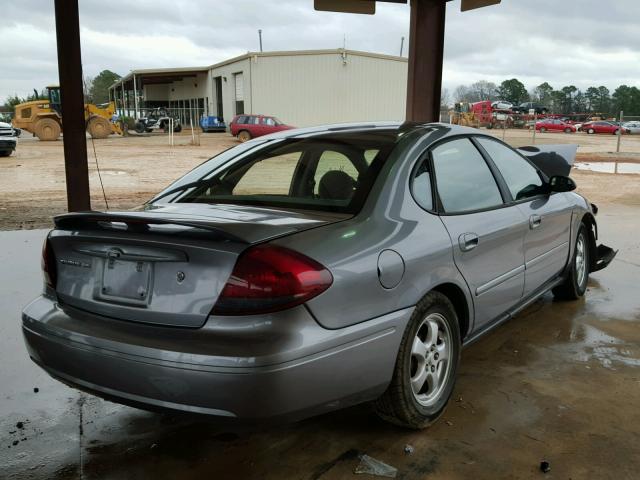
[{"x": 43, "y": 118}]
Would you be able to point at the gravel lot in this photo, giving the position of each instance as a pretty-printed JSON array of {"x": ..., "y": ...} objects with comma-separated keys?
[{"x": 32, "y": 180}]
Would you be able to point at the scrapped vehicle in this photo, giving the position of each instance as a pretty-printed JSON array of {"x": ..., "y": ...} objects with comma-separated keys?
[
  {"x": 158, "y": 119},
  {"x": 554, "y": 124},
  {"x": 7, "y": 139},
  {"x": 601, "y": 127},
  {"x": 246, "y": 127},
  {"x": 501, "y": 105},
  {"x": 313, "y": 269},
  {"x": 632, "y": 127},
  {"x": 527, "y": 106}
]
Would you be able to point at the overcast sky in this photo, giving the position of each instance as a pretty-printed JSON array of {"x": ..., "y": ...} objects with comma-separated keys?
[{"x": 567, "y": 42}]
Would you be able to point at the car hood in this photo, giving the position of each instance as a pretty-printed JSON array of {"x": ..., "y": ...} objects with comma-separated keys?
[{"x": 552, "y": 159}]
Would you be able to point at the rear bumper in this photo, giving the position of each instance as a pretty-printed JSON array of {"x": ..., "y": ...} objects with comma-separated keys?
[{"x": 291, "y": 367}]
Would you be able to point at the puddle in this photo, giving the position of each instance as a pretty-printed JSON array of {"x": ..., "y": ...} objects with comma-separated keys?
[{"x": 608, "y": 167}]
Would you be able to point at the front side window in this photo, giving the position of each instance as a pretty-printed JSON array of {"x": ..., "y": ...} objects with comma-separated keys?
[
  {"x": 520, "y": 176},
  {"x": 463, "y": 179},
  {"x": 327, "y": 173},
  {"x": 269, "y": 121}
]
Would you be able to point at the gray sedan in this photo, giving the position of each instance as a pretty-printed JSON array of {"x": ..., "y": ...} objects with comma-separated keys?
[{"x": 310, "y": 270}]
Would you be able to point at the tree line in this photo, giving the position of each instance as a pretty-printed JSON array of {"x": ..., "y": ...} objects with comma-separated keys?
[{"x": 566, "y": 100}]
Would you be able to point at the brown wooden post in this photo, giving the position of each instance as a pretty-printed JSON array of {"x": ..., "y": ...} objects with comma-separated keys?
[
  {"x": 74, "y": 136},
  {"x": 426, "y": 49}
]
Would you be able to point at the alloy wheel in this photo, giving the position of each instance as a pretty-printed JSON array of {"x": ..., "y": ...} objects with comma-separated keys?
[{"x": 430, "y": 359}]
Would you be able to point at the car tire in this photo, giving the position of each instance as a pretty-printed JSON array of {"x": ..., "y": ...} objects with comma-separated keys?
[
  {"x": 591, "y": 131},
  {"x": 542, "y": 129},
  {"x": 139, "y": 127},
  {"x": 426, "y": 366},
  {"x": 5, "y": 153},
  {"x": 567, "y": 130},
  {"x": 177, "y": 128},
  {"x": 615, "y": 132},
  {"x": 575, "y": 284},
  {"x": 244, "y": 136}
]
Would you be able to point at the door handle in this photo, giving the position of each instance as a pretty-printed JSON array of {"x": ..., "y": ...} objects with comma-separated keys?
[
  {"x": 534, "y": 221},
  {"x": 468, "y": 241}
]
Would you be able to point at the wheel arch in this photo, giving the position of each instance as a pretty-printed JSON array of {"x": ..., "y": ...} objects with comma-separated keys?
[
  {"x": 458, "y": 299},
  {"x": 589, "y": 221}
]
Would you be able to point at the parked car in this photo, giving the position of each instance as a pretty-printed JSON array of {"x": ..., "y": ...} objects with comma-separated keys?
[
  {"x": 212, "y": 124},
  {"x": 246, "y": 127},
  {"x": 632, "y": 127},
  {"x": 600, "y": 127},
  {"x": 312, "y": 270},
  {"x": 501, "y": 105},
  {"x": 553, "y": 124},
  {"x": 526, "y": 106},
  {"x": 7, "y": 139}
]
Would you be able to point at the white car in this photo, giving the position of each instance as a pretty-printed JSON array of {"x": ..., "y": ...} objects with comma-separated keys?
[
  {"x": 501, "y": 105},
  {"x": 7, "y": 139},
  {"x": 632, "y": 127}
]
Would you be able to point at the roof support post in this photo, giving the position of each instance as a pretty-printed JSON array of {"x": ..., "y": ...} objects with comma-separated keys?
[
  {"x": 71, "y": 88},
  {"x": 135, "y": 97},
  {"x": 426, "y": 50}
]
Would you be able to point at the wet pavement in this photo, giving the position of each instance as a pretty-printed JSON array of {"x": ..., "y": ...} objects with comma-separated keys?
[{"x": 560, "y": 382}]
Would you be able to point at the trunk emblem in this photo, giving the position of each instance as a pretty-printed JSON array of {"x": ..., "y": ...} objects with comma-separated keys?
[{"x": 180, "y": 276}]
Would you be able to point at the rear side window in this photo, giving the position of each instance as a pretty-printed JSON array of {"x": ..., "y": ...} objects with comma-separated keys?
[
  {"x": 421, "y": 186},
  {"x": 463, "y": 179},
  {"x": 253, "y": 120},
  {"x": 520, "y": 176},
  {"x": 327, "y": 173},
  {"x": 242, "y": 120}
]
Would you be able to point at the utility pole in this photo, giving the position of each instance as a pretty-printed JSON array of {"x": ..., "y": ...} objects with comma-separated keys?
[
  {"x": 73, "y": 124},
  {"x": 260, "y": 37}
]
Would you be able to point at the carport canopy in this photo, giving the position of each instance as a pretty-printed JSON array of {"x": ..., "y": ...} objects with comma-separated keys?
[{"x": 426, "y": 46}]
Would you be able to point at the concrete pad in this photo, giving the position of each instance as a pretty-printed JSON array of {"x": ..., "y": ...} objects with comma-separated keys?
[{"x": 560, "y": 382}]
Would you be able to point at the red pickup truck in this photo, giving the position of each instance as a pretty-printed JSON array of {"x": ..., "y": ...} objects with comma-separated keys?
[{"x": 246, "y": 127}]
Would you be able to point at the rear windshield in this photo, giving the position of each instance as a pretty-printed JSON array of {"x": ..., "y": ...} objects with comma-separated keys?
[{"x": 333, "y": 172}]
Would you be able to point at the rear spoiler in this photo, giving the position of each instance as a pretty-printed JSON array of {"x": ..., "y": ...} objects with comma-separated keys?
[
  {"x": 135, "y": 222},
  {"x": 552, "y": 159}
]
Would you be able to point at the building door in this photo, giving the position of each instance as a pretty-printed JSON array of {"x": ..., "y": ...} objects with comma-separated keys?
[
  {"x": 238, "y": 79},
  {"x": 219, "y": 110}
]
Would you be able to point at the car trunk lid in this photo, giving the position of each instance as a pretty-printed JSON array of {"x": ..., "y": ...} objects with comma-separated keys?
[{"x": 162, "y": 266}]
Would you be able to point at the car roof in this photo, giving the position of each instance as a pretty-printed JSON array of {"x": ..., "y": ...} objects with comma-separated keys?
[{"x": 370, "y": 127}]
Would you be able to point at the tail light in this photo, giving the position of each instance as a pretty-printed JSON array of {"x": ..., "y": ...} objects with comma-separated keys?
[
  {"x": 269, "y": 278},
  {"x": 49, "y": 264}
]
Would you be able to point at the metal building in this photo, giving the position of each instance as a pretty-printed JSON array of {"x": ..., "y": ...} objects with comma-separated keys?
[{"x": 301, "y": 88}]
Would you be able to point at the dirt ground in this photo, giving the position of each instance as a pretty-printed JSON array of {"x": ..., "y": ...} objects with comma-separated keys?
[
  {"x": 32, "y": 180},
  {"x": 560, "y": 382}
]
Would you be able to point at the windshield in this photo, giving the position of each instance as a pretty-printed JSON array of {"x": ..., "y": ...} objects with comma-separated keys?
[{"x": 332, "y": 172}]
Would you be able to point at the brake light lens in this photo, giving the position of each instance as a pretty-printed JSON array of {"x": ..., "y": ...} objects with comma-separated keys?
[
  {"x": 269, "y": 278},
  {"x": 49, "y": 265}
]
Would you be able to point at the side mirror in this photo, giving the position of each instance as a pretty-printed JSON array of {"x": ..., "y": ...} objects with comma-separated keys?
[{"x": 560, "y": 183}]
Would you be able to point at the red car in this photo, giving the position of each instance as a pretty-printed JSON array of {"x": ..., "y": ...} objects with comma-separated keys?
[
  {"x": 600, "y": 127},
  {"x": 246, "y": 127},
  {"x": 554, "y": 124}
]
